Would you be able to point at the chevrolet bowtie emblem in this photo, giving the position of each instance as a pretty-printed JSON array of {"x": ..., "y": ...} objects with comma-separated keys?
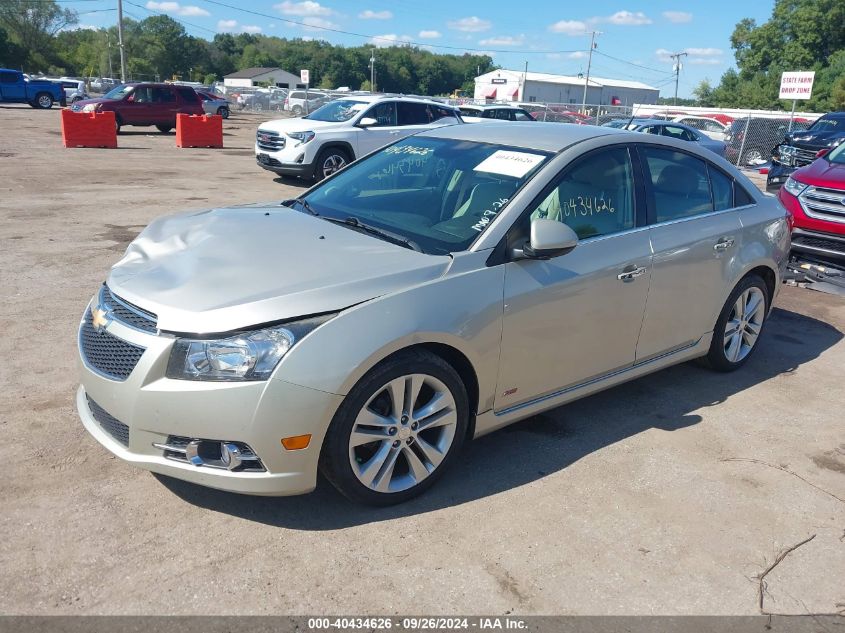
[{"x": 99, "y": 318}]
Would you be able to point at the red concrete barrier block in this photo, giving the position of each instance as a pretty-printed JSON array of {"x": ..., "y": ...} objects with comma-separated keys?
[
  {"x": 199, "y": 131},
  {"x": 88, "y": 129}
]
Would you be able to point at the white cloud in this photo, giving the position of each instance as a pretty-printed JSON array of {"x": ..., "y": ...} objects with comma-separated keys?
[
  {"x": 302, "y": 9},
  {"x": 678, "y": 17},
  {"x": 704, "y": 52},
  {"x": 175, "y": 7},
  {"x": 503, "y": 40},
  {"x": 375, "y": 15},
  {"x": 626, "y": 18},
  {"x": 704, "y": 61},
  {"x": 318, "y": 24},
  {"x": 576, "y": 55},
  {"x": 569, "y": 27},
  {"x": 391, "y": 39},
  {"x": 429, "y": 35},
  {"x": 232, "y": 26},
  {"x": 663, "y": 55},
  {"x": 472, "y": 24}
]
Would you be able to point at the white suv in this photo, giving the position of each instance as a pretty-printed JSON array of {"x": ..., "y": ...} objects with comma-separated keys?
[{"x": 317, "y": 145}]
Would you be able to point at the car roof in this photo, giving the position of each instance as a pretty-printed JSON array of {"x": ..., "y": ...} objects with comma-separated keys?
[
  {"x": 489, "y": 106},
  {"x": 549, "y": 137}
]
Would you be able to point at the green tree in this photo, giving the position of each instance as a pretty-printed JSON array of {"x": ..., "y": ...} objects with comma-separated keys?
[{"x": 32, "y": 25}]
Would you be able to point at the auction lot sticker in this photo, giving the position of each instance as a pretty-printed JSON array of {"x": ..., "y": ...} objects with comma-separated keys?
[{"x": 508, "y": 163}]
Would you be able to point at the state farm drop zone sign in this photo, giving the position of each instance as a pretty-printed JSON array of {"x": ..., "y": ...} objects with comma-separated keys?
[{"x": 797, "y": 85}]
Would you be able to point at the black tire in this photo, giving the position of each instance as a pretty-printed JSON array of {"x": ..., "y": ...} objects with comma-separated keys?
[
  {"x": 296, "y": 110},
  {"x": 717, "y": 357},
  {"x": 44, "y": 101},
  {"x": 336, "y": 156},
  {"x": 224, "y": 112},
  {"x": 335, "y": 461},
  {"x": 117, "y": 124},
  {"x": 164, "y": 129}
]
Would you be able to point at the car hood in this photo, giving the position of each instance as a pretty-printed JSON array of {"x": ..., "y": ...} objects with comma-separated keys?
[
  {"x": 225, "y": 269},
  {"x": 817, "y": 139},
  {"x": 822, "y": 173},
  {"x": 299, "y": 125},
  {"x": 85, "y": 102}
]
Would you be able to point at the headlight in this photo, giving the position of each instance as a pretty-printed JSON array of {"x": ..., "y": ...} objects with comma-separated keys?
[
  {"x": 787, "y": 150},
  {"x": 302, "y": 137},
  {"x": 246, "y": 356},
  {"x": 794, "y": 187},
  {"x": 91, "y": 107}
]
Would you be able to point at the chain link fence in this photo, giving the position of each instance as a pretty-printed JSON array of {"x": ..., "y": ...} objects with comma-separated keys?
[{"x": 751, "y": 140}]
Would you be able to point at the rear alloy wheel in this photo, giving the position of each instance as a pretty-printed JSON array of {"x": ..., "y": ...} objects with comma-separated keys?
[
  {"x": 739, "y": 325},
  {"x": 164, "y": 129},
  {"x": 752, "y": 157},
  {"x": 44, "y": 101},
  {"x": 329, "y": 161},
  {"x": 224, "y": 112},
  {"x": 397, "y": 430},
  {"x": 296, "y": 111}
]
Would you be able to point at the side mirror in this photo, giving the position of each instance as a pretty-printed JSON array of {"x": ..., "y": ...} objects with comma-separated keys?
[
  {"x": 367, "y": 122},
  {"x": 549, "y": 238},
  {"x": 822, "y": 152}
]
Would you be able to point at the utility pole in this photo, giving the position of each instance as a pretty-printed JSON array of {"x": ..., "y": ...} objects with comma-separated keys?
[
  {"x": 589, "y": 64},
  {"x": 372, "y": 70},
  {"x": 677, "y": 69},
  {"x": 108, "y": 45},
  {"x": 120, "y": 41},
  {"x": 524, "y": 81}
]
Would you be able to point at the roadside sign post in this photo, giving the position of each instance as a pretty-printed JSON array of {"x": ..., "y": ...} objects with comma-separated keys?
[
  {"x": 796, "y": 85},
  {"x": 305, "y": 77}
]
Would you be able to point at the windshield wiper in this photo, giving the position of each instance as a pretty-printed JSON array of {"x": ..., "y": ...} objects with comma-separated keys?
[
  {"x": 303, "y": 202},
  {"x": 389, "y": 236}
]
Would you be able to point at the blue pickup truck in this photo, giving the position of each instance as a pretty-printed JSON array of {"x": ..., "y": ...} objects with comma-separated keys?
[{"x": 16, "y": 88}]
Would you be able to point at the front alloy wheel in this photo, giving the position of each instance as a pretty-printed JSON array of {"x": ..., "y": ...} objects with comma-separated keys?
[{"x": 397, "y": 430}]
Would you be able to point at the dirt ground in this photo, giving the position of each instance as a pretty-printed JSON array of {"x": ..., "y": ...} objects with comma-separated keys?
[{"x": 668, "y": 495}]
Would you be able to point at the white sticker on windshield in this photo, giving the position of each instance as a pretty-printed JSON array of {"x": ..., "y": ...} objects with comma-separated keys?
[{"x": 508, "y": 163}]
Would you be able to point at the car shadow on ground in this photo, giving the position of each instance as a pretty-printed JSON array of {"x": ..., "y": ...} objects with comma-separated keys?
[{"x": 534, "y": 448}]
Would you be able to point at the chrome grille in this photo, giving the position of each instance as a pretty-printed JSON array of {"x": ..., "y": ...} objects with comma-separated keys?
[
  {"x": 127, "y": 313},
  {"x": 804, "y": 156},
  {"x": 270, "y": 141},
  {"x": 110, "y": 424},
  {"x": 824, "y": 204},
  {"x": 106, "y": 354}
]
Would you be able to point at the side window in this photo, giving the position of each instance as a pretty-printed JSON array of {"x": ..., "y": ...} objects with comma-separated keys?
[
  {"x": 503, "y": 115},
  {"x": 522, "y": 115},
  {"x": 741, "y": 196},
  {"x": 412, "y": 113},
  {"x": 673, "y": 131},
  {"x": 188, "y": 95},
  {"x": 142, "y": 94},
  {"x": 8, "y": 78},
  {"x": 652, "y": 129},
  {"x": 595, "y": 196},
  {"x": 698, "y": 124},
  {"x": 722, "y": 187},
  {"x": 438, "y": 112},
  {"x": 680, "y": 185},
  {"x": 384, "y": 113},
  {"x": 712, "y": 126},
  {"x": 489, "y": 114},
  {"x": 163, "y": 95}
]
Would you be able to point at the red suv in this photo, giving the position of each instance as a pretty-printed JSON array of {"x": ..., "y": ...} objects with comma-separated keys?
[
  {"x": 145, "y": 104},
  {"x": 815, "y": 196}
]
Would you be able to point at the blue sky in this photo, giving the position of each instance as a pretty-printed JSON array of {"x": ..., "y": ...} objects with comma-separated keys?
[{"x": 634, "y": 42}]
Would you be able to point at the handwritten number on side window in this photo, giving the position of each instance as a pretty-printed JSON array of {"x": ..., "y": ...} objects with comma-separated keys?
[{"x": 587, "y": 205}]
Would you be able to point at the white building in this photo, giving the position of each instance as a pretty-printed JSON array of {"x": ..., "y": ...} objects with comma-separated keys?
[
  {"x": 514, "y": 85},
  {"x": 249, "y": 77}
]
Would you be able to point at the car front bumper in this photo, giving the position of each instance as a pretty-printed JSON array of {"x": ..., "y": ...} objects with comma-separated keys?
[
  {"x": 778, "y": 174},
  {"x": 131, "y": 416}
]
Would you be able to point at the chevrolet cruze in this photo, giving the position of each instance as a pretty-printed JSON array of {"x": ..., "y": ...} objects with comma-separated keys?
[{"x": 447, "y": 285}]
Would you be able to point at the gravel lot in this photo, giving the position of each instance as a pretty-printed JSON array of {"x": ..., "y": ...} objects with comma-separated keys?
[{"x": 669, "y": 495}]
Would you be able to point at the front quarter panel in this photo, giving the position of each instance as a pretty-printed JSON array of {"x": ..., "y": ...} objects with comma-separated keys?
[{"x": 462, "y": 310}]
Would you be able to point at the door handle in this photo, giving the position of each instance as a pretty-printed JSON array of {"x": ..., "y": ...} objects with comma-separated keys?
[
  {"x": 723, "y": 244},
  {"x": 633, "y": 273}
]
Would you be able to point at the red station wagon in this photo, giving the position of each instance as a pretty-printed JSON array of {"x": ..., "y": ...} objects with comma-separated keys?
[{"x": 145, "y": 104}]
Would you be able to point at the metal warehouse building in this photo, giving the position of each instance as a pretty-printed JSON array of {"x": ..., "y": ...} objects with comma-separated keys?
[
  {"x": 249, "y": 77},
  {"x": 514, "y": 85}
]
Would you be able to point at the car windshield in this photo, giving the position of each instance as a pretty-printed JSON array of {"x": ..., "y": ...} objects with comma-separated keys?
[
  {"x": 837, "y": 155},
  {"x": 830, "y": 124},
  {"x": 440, "y": 194},
  {"x": 336, "y": 111},
  {"x": 470, "y": 112},
  {"x": 119, "y": 92}
]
